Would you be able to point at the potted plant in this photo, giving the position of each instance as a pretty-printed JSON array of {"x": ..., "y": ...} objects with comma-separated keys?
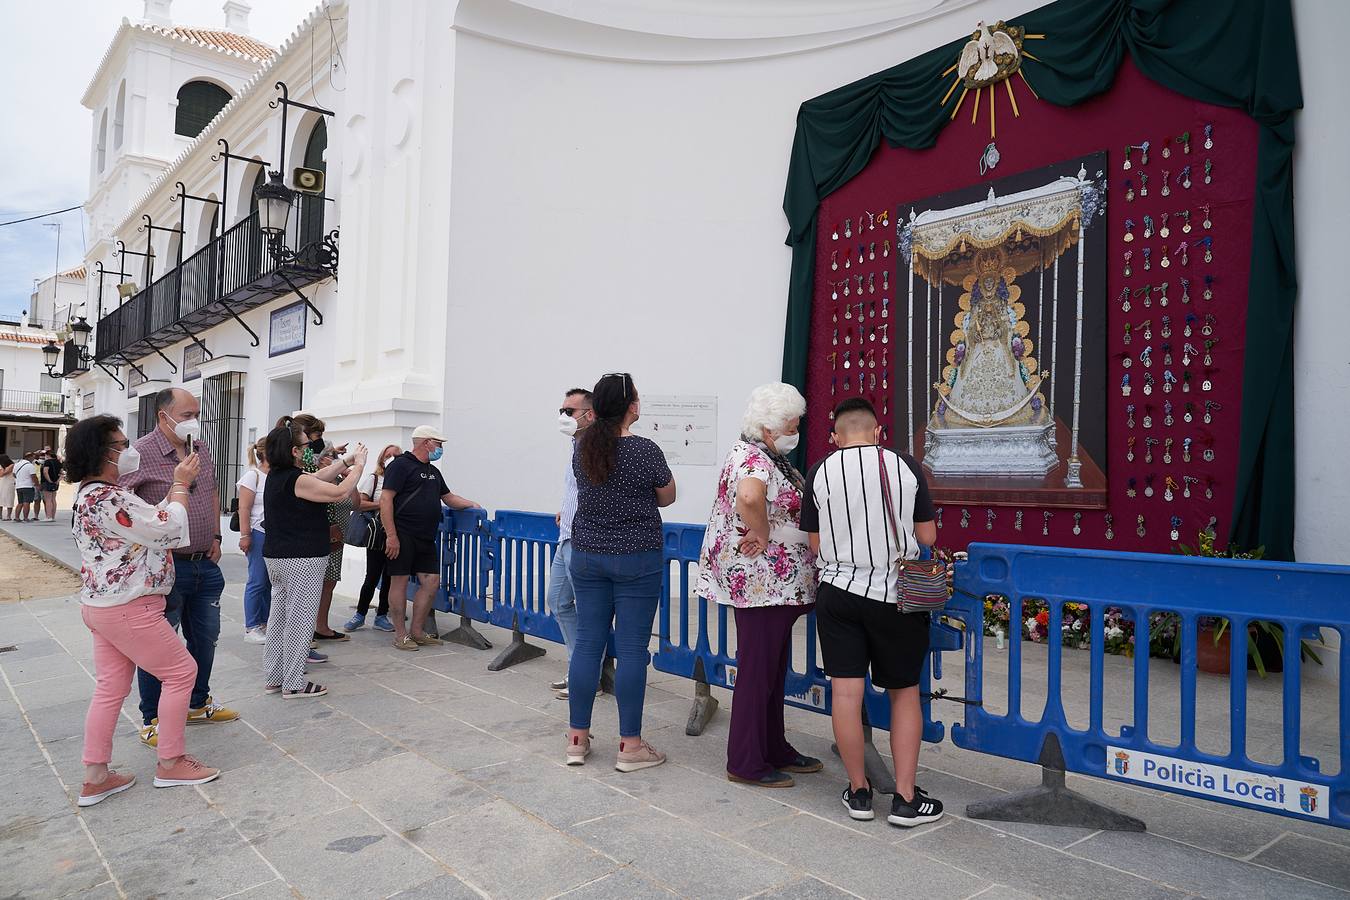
[{"x": 1265, "y": 640}]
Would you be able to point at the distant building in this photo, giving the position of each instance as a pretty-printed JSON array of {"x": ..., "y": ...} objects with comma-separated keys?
[{"x": 36, "y": 407}]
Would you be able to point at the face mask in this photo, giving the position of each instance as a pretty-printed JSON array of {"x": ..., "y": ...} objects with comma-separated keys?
[
  {"x": 389, "y": 460},
  {"x": 308, "y": 461},
  {"x": 316, "y": 445},
  {"x": 128, "y": 461},
  {"x": 188, "y": 429},
  {"x": 437, "y": 453},
  {"x": 567, "y": 425},
  {"x": 786, "y": 443}
]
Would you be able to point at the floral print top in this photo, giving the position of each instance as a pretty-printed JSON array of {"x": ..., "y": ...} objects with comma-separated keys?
[
  {"x": 124, "y": 544},
  {"x": 785, "y": 573}
]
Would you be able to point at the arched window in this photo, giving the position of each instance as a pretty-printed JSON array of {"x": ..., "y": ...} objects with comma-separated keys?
[
  {"x": 317, "y": 146},
  {"x": 311, "y": 205},
  {"x": 198, "y": 103},
  {"x": 102, "y": 146},
  {"x": 120, "y": 115}
]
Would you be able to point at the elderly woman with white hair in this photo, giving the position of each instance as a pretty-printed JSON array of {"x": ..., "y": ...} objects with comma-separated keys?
[{"x": 756, "y": 559}]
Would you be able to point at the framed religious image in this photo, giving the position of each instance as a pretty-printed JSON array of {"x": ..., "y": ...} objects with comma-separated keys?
[{"x": 1003, "y": 292}]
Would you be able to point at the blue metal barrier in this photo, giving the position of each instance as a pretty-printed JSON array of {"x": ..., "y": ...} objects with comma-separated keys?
[
  {"x": 466, "y": 565},
  {"x": 1298, "y": 598}
]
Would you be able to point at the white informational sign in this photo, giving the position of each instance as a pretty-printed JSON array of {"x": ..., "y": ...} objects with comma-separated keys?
[
  {"x": 684, "y": 427},
  {"x": 1265, "y": 791}
]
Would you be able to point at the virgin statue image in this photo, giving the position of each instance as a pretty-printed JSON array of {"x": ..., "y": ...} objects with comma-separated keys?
[{"x": 991, "y": 376}]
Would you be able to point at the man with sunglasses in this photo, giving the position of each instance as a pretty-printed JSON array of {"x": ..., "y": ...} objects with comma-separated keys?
[
  {"x": 574, "y": 416},
  {"x": 194, "y": 603},
  {"x": 410, "y": 510}
]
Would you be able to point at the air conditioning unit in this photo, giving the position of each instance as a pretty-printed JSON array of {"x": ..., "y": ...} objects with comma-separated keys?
[
  {"x": 308, "y": 181},
  {"x": 126, "y": 289}
]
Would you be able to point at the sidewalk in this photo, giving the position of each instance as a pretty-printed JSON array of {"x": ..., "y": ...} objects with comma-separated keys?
[{"x": 424, "y": 775}]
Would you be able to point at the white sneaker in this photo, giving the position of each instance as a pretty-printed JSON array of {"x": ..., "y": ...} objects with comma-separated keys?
[{"x": 256, "y": 635}]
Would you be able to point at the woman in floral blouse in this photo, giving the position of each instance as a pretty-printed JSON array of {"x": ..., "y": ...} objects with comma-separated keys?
[
  {"x": 125, "y": 574},
  {"x": 757, "y": 560}
]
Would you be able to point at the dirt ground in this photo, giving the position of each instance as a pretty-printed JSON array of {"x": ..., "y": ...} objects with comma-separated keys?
[{"x": 26, "y": 576}]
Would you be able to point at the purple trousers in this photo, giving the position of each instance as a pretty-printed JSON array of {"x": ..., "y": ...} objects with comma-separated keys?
[{"x": 757, "y": 745}]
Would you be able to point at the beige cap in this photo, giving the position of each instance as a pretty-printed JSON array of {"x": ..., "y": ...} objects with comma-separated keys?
[{"x": 427, "y": 432}]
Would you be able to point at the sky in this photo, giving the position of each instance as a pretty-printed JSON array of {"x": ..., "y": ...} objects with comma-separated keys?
[{"x": 48, "y": 52}]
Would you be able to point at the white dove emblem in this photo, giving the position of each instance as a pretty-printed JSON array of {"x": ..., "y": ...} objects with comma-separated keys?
[{"x": 980, "y": 51}]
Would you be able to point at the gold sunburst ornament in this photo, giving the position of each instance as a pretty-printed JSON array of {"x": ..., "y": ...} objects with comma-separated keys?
[{"x": 990, "y": 56}]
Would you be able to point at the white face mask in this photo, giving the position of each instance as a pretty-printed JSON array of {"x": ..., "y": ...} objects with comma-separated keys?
[
  {"x": 786, "y": 443},
  {"x": 188, "y": 429},
  {"x": 128, "y": 461},
  {"x": 567, "y": 425},
  {"x": 389, "y": 460}
]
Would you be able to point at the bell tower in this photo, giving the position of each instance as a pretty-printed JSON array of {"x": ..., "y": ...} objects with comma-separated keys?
[{"x": 156, "y": 88}]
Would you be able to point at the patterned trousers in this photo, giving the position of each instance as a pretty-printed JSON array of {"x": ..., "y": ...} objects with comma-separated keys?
[{"x": 297, "y": 586}]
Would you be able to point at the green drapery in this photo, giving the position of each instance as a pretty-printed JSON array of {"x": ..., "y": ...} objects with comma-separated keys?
[{"x": 1238, "y": 54}]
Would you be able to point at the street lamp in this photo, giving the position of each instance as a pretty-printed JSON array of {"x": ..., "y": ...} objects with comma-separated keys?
[
  {"x": 80, "y": 331},
  {"x": 274, "y": 205},
  {"x": 50, "y": 355}
]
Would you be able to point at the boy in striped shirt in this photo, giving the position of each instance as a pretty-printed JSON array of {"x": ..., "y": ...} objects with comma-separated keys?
[{"x": 858, "y": 549}]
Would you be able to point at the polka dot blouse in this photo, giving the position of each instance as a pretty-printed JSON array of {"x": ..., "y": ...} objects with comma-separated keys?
[{"x": 620, "y": 515}]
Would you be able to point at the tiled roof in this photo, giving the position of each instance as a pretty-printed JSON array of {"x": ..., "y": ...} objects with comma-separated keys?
[
  {"x": 227, "y": 40},
  {"x": 19, "y": 337},
  {"x": 77, "y": 273},
  {"x": 232, "y": 43}
]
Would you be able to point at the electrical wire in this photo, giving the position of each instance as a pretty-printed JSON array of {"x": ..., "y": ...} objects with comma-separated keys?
[{"x": 55, "y": 212}]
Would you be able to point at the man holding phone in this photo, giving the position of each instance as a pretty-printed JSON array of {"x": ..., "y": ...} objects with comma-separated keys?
[{"x": 194, "y": 602}]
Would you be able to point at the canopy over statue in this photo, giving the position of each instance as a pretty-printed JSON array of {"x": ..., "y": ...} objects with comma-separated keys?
[{"x": 988, "y": 414}]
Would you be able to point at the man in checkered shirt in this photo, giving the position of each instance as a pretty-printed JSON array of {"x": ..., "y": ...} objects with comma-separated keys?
[{"x": 194, "y": 602}]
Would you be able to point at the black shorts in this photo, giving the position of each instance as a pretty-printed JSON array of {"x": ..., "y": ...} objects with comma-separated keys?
[
  {"x": 27, "y": 495},
  {"x": 416, "y": 556},
  {"x": 856, "y": 632}
]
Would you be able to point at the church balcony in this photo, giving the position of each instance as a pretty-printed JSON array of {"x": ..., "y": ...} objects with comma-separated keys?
[{"x": 239, "y": 270}]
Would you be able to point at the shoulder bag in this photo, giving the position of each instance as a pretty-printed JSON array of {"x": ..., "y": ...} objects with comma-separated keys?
[{"x": 922, "y": 585}]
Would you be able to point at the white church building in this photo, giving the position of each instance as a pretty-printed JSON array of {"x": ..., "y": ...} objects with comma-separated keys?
[{"x": 498, "y": 200}]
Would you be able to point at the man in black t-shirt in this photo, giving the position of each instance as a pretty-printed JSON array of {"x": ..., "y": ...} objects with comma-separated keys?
[
  {"x": 410, "y": 509},
  {"x": 49, "y": 481}
]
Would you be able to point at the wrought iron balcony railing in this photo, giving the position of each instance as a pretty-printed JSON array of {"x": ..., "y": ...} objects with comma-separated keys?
[
  {"x": 48, "y": 402},
  {"x": 237, "y": 271}
]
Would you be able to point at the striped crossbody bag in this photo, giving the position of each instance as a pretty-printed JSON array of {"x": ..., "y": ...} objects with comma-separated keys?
[{"x": 922, "y": 586}]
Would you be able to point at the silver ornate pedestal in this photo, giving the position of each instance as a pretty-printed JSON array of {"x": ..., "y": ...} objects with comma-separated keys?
[{"x": 1014, "y": 450}]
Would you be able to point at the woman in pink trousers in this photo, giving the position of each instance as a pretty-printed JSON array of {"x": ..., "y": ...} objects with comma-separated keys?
[{"x": 126, "y": 572}]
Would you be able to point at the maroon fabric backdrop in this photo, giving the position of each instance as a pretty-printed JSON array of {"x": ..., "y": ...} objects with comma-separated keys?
[{"x": 1133, "y": 111}]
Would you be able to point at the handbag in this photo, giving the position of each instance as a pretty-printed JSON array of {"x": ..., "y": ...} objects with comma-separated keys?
[
  {"x": 922, "y": 585},
  {"x": 234, "y": 515},
  {"x": 362, "y": 529}
]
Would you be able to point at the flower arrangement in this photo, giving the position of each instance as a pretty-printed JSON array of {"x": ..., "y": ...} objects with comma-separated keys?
[{"x": 1075, "y": 626}]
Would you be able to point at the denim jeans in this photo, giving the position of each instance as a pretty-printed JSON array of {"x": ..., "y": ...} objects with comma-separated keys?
[
  {"x": 258, "y": 591},
  {"x": 193, "y": 605},
  {"x": 562, "y": 598},
  {"x": 623, "y": 590}
]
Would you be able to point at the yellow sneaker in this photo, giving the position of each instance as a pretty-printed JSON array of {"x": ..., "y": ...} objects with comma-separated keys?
[
  {"x": 150, "y": 734},
  {"x": 211, "y": 712}
]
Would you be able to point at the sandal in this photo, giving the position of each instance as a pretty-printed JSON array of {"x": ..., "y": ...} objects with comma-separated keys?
[
  {"x": 310, "y": 690},
  {"x": 271, "y": 689}
]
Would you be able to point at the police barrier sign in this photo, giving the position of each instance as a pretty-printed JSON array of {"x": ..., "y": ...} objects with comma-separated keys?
[{"x": 1206, "y": 780}]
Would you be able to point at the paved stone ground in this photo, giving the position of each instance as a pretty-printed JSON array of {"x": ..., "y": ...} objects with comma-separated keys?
[{"x": 425, "y": 776}]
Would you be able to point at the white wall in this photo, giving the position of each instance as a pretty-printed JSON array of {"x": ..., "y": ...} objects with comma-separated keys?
[
  {"x": 1321, "y": 325},
  {"x": 622, "y": 216},
  {"x": 613, "y": 215}
]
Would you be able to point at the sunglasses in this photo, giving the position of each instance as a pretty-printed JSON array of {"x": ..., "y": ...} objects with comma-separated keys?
[
  {"x": 627, "y": 380},
  {"x": 572, "y": 410}
]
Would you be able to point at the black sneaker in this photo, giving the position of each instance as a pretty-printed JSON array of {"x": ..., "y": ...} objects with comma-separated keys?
[
  {"x": 921, "y": 811},
  {"x": 859, "y": 803}
]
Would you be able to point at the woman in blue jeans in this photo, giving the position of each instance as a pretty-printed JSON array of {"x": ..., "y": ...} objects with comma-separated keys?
[
  {"x": 258, "y": 591},
  {"x": 616, "y": 567}
]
